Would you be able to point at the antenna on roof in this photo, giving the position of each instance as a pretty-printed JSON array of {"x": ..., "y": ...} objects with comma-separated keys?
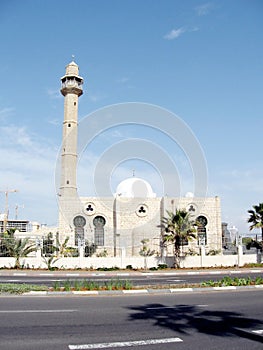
[{"x": 73, "y": 57}]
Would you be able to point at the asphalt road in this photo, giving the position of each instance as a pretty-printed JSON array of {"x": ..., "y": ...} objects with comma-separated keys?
[
  {"x": 143, "y": 279},
  {"x": 218, "y": 320}
]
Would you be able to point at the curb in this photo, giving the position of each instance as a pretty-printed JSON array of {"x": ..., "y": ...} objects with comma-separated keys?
[{"x": 143, "y": 291}]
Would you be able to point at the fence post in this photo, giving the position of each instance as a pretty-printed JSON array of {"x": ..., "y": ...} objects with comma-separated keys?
[
  {"x": 202, "y": 255},
  {"x": 240, "y": 255}
]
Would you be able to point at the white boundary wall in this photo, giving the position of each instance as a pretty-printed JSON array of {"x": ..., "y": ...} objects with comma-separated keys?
[{"x": 37, "y": 262}]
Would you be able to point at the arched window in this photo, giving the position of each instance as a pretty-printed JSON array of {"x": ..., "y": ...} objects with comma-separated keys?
[
  {"x": 79, "y": 223},
  {"x": 99, "y": 223},
  {"x": 201, "y": 222}
]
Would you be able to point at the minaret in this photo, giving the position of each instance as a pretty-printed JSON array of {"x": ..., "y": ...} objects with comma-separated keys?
[{"x": 71, "y": 89}]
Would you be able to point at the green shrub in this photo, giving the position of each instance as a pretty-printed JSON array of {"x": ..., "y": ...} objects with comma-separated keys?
[
  {"x": 228, "y": 281},
  {"x": 162, "y": 266}
]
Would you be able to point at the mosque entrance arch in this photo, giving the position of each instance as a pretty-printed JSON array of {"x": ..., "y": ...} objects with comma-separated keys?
[
  {"x": 79, "y": 222},
  {"x": 201, "y": 230}
]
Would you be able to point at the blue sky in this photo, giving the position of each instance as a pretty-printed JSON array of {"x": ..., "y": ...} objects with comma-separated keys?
[{"x": 201, "y": 60}]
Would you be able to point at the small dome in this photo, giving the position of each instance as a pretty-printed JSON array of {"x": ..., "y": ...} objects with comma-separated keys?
[
  {"x": 135, "y": 187},
  {"x": 189, "y": 195}
]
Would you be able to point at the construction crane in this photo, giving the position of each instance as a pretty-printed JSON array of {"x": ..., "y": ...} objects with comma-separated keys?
[
  {"x": 6, "y": 192},
  {"x": 16, "y": 210}
]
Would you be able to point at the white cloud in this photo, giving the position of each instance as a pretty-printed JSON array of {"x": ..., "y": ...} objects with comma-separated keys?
[
  {"x": 5, "y": 113},
  {"x": 123, "y": 80},
  {"x": 54, "y": 93},
  {"x": 54, "y": 122},
  {"x": 15, "y": 135},
  {"x": 94, "y": 97},
  {"x": 194, "y": 29},
  {"x": 238, "y": 189},
  {"x": 204, "y": 9},
  {"x": 28, "y": 163},
  {"x": 174, "y": 33}
]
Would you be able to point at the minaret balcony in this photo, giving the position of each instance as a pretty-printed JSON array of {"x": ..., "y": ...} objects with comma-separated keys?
[{"x": 71, "y": 84}]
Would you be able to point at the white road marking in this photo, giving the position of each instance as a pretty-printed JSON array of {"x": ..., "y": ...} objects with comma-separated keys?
[
  {"x": 124, "y": 344},
  {"x": 134, "y": 291},
  {"x": 29, "y": 280},
  {"x": 225, "y": 288},
  {"x": 33, "y": 311},
  {"x": 85, "y": 292},
  {"x": 259, "y": 331},
  {"x": 235, "y": 271},
  {"x": 173, "y": 290}
]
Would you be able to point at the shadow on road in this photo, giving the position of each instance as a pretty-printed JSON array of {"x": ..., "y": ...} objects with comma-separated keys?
[{"x": 186, "y": 318}]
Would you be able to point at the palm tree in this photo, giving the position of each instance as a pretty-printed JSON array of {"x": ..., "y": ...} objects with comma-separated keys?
[
  {"x": 58, "y": 251},
  {"x": 256, "y": 218},
  {"x": 177, "y": 228},
  {"x": 17, "y": 247},
  {"x": 145, "y": 251}
]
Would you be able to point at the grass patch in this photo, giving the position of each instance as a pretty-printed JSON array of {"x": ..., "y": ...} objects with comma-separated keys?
[
  {"x": 118, "y": 284},
  {"x": 15, "y": 288},
  {"x": 113, "y": 284},
  {"x": 236, "y": 282}
]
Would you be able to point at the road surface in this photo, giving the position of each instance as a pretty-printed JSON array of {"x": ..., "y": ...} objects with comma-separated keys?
[
  {"x": 137, "y": 279},
  {"x": 218, "y": 320}
]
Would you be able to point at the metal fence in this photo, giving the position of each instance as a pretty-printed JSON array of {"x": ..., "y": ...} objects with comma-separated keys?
[{"x": 10, "y": 247}]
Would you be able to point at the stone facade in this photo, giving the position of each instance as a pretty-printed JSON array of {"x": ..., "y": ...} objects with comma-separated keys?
[{"x": 127, "y": 221}]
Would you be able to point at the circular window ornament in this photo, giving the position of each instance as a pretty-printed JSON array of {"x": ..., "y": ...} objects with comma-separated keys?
[
  {"x": 202, "y": 220},
  {"x": 79, "y": 221},
  {"x": 89, "y": 208},
  {"x": 142, "y": 210},
  {"x": 192, "y": 208},
  {"x": 99, "y": 221}
]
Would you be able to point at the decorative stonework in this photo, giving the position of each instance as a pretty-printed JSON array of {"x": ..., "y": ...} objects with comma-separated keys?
[
  {"x": 192, "y": 208},
  {"x": 142, "y": 210},
  {"x": 90, "y": 208}
]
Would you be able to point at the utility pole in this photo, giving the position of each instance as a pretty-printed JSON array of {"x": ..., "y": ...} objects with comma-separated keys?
[{"x": 6, "y": 192}]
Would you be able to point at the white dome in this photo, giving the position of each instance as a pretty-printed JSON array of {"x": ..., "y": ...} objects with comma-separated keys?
[
  {"x": 135, "y": 187},
  {"x": 189, "y": 195}
]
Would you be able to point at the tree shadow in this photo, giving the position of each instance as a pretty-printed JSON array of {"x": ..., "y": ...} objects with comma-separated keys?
[{"x": 186, "y": 318}]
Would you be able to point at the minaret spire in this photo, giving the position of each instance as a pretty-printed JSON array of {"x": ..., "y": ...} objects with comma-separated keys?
[{"x": 71, "y": 89}]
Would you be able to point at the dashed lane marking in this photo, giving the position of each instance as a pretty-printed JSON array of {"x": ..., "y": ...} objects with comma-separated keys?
[
  {"x": 33, "y": 311},
  {"x": 125, "y": 344}
]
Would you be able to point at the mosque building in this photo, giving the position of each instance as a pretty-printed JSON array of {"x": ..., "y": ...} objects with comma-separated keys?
[{"x": 134, "y": 213}]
